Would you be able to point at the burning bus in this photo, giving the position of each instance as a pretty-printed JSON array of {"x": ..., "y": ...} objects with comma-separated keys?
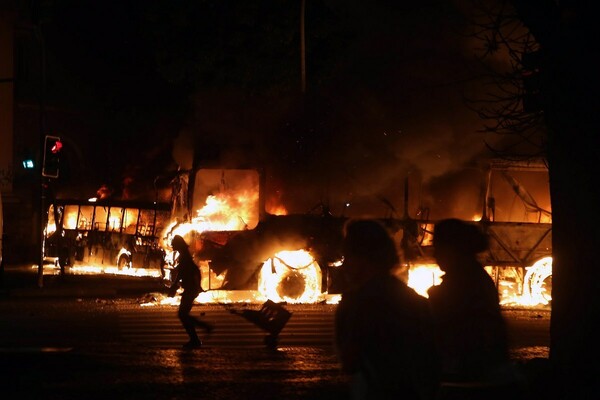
[
  {"x": 239, "y": 246},
  {"x": 106, "y": 236},
  {"x": 295, "y": 257}
]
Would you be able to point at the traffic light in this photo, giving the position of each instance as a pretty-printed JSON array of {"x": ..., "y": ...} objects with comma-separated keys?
[{"x": 52, "y": 150}]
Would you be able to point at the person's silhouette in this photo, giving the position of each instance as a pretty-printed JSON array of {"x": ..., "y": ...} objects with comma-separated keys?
[
  {"x": 382, "y": 326},
  {"x": 188, "y": 275},
  {"x": 470, "y": 330}
]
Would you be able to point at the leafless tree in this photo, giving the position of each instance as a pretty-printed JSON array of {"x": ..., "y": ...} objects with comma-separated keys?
[
  {"x": 566, "y": 33},
  {"x": 511, "y": 103}
]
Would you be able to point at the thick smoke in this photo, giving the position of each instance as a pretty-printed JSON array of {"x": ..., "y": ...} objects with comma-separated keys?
[{"x": 392, "y": 110}]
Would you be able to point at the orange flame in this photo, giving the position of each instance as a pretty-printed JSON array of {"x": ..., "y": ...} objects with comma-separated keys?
[
  {"x": 277, "y": 210},
  {"x": 535, "y": 286},
  {"x": 422, "y": 276}
]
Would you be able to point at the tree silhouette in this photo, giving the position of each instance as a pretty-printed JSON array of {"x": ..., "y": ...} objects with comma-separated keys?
[
  {"x": 564, "y": 34},
  {"x": 511, "y": 103}
]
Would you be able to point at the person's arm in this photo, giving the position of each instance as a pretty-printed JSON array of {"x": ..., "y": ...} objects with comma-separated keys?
[{"x": 174, "y": 282}]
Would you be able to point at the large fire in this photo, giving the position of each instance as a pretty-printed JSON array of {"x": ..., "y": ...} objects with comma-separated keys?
[
  {"x": 294, "y": 277},
  {"x": 289, "y": 275},
  {"x": 222, "y": 212}
]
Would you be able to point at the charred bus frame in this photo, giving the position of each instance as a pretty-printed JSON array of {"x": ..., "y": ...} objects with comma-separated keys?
[
  {"x": 238, "y": 253},
  {"x": 106, "y": 233}
]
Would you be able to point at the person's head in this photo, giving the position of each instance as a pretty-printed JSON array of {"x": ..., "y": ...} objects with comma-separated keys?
[
  {"x": 368, "y": 248},
  {"x": 178, "y": 244},
  {"x": 455, "y": 240}
]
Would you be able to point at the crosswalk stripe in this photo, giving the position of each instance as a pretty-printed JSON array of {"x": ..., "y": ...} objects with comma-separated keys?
[{"x": 162, "y": 328}]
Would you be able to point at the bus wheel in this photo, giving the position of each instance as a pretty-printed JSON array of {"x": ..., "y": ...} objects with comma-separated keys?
[{"x": 124, "y": 262}]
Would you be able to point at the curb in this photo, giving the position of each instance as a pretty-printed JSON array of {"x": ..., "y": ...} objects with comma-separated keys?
[{"x": 22, "y": 283}]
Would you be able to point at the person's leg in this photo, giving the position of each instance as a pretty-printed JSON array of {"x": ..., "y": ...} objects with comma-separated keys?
[
  {"x": 203, "y": 324},
  {"x": 188, "y": 322}
]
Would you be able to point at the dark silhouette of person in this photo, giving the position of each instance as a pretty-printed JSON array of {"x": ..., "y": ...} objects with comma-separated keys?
[
  {"x": 383, "y": 328},
  {"x": 187, "y": 274},
  {"x": 470, "y": 330}
]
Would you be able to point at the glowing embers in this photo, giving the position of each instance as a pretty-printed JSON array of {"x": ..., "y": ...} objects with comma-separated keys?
[
  {"x": 112, "y": 270},
  {"x": 291, "y": 276}
]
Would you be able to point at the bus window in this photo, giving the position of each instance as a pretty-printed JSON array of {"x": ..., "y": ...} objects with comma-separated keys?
[
  {"x": 115, "y": 216},
  {"x": 130, "y": 220},
  {"x": 146, "y": 223},
  {"x": 100, "y": 218},
  {"x": 70, "y": 217},
  {"x": 85, "y": 217},
  {"x": 162, "y": 220}
]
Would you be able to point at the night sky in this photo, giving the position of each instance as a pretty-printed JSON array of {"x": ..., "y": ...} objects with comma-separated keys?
[{"x": 386, "y": 83}]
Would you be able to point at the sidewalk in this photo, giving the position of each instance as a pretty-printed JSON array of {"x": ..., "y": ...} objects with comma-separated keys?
[{"x": 22, "y": 281}]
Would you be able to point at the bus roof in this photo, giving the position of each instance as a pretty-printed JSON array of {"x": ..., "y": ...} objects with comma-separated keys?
[{"x": 145, "y": 205}]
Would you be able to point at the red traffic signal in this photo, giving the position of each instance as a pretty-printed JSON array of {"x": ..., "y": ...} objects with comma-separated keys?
[
  {"x": 52, "y": 150},
  {"x": 56, "y": 147}
]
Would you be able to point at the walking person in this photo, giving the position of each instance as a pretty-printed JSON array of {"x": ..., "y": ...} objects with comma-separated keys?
[
  {"x": 188, "y": 275},
  {"x": 383, "y": 331}
]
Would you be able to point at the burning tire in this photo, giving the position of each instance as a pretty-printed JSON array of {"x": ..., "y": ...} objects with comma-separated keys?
[
  {"x": 537, "y": 285},
  {"x": 291, "y": 285},
  {"x": 291, "y": 276}
]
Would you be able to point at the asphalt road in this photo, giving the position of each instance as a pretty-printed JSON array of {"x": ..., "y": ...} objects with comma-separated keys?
[
  {"x": 75, "y": 339},
  {"x": 79, "y": 322},
  {"x": 118, "y": 349},
  {"x": 63, "y": 348}
]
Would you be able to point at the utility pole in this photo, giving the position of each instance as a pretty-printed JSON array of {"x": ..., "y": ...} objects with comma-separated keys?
[
  {"x": 302, "y": 48},
  {"x": 43, "y": 182}
]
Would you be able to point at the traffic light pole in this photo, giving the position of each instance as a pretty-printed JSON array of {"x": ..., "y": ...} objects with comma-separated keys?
[
  {"x": 40, "y": 276},
  {"x": 42, "y": 181}
]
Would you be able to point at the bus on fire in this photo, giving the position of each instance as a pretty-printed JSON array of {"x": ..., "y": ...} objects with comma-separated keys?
[{"x": 106, "y": 236}]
